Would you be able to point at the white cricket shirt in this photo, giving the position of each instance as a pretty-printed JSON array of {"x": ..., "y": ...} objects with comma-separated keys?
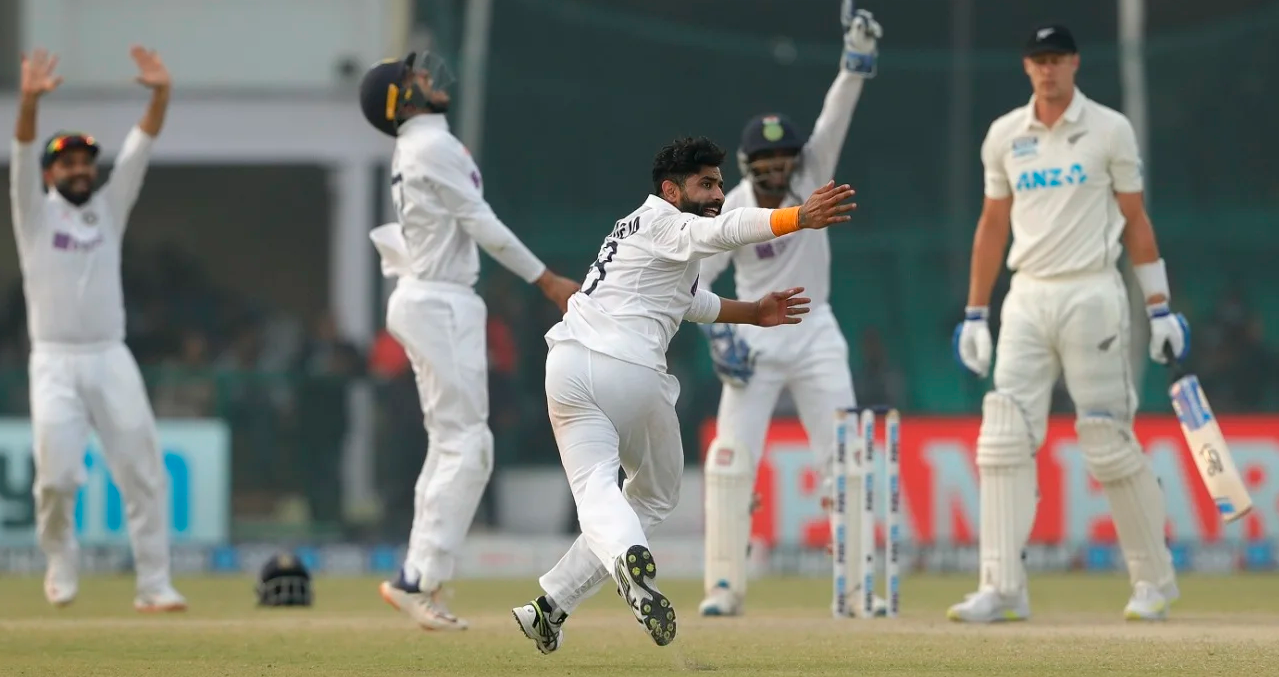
[
  {"x": 802, "y": 258},
  {"x": 439, "y": 196},
  {"x": 1065, "y": 218},
  {"x": 645, "y": 280},
  {"x": 70, "y": 256}
]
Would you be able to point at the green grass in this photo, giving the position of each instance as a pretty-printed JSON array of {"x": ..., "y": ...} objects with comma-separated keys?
[{"x": 1222, "y": 626}]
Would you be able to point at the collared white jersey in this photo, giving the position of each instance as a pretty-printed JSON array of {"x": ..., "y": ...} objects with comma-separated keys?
[
  {"x": 802, "y": 258},
  {"x": 439, "y": 196},
  {"x": 645, "y": 280},
  {"x": 70, "y": 256},
  {"x": 1063, "y": 180}
]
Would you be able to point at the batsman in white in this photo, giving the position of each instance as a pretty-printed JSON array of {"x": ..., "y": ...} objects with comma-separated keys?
[
  {"x": 438, "y": 318},
  {"x": 610, "y": 398},
  {"x": 778, "y": 166},
  {"x": 1063, "y": 173},
  {"x": 83, "y": 377}
]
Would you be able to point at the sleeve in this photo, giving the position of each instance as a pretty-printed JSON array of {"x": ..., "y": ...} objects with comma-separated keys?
[
  {"x": 821, "y": 153},
  {"x": 714, "y": 266},
  {"x": 992, "y": 160},
  {"x": 689, "y": 238},
  {"x": 1125, "y": 159},
  {"x": 705, "y": 307},
  {"x": 127, "y": 174},
  {"x": 456, "y": 181},
  {"x": 26, "y": 191}
]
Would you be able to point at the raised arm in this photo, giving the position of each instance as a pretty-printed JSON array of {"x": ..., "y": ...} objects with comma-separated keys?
[
  {"x": 130, "y": 166},
  {"x": 25, "y": 185},
  {"x": 686, "y": 237},
  {"x": 858, "y": 64}
]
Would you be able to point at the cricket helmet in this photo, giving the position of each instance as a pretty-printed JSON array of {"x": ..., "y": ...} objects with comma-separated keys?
[
  {"x": 284, "y": 581},
  {"x": 768, "y": 133},
  {"x": 387, "y": 88}
]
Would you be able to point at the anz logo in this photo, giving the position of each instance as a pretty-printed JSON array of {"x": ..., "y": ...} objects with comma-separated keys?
[{"x": 1054, "y": 177}]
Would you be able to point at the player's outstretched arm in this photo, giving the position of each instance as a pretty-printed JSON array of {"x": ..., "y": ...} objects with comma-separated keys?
[
  {"x": 776, "y": 308},
  {"x": 25, "y": 190},
  {"x": 857, "y": 64},
  {"x": 155, "y": 76},
  {"x": 131, "y": 164}
]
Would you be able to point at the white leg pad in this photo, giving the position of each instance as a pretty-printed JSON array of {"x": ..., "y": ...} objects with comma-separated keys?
[
  {"x": 1136, "y": 500},
  {"x": 1009, "y": 496},
  {"x": 730, "y": 481}
]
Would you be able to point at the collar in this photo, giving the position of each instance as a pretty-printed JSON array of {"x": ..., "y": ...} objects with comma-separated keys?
[
  {"x": 1072, "y": 114},
  {"x": 660, "y": 204},
  {"x": 423, "y": 121}
]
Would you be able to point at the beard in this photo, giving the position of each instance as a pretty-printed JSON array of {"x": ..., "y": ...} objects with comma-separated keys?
[
  {"x": 76, "y": 190},
  {"x": 710, "y": 208}
]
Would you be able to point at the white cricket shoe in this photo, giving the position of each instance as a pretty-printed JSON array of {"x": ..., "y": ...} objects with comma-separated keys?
[
  {"x": 1149, "y": 603},
  {"x": 61, "y": 580},
  {"x": 636, "y": 574},
  {"x": 545, "y": 629},
  {"x": 160, "y": 600},
  {"x": 721, "y": 601},
  {"x": 427, "y": 609},
  {"x": 988, "y": 606}
]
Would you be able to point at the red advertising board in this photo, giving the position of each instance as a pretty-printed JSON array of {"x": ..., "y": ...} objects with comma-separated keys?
[{"x": 940, "y": 496}]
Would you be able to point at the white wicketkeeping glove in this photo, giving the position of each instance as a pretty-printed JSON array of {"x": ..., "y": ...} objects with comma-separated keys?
[
  {"x": 1167, "y": 329},
  {"x": 861, "y": 40},
  {"x": 972, "y": 341}
]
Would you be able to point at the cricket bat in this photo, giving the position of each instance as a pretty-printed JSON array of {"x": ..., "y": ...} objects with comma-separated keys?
[{"x": 1207, "y": 444}]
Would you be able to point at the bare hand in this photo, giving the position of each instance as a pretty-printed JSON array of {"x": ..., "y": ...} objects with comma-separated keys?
[
  {"x": 37, "y": 74},
  {"x": 826, "y": 206},
  {"x": 557, "y": 289},
  {"x": 151, "y": 70},
  {"x": 781, "y": 307}
]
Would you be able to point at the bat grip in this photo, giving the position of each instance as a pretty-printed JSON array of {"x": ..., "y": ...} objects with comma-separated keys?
[{"x": 1175, "y": 369}]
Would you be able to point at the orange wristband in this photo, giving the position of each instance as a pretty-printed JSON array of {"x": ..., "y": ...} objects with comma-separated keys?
[{"x": 784, "y": 221}]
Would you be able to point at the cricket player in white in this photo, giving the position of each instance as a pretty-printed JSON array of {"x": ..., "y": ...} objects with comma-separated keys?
[
  {"x": 438, "y": 318},
  {"x": 610, "y": 398},
  {"x": 811, "y": 359},
  {"x": 83, "y": 378},
  {"x": 1063, "y": 173}
]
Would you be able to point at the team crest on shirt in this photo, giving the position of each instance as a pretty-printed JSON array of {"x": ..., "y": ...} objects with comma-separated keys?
[
  {"x": 89, "y": 218},
  {"x": 1025, "y": 146}
]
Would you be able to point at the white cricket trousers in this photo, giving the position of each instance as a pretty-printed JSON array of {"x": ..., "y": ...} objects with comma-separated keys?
[
  {"x": 607, "y": 414},
  {"x": 77, "y": 389},
  {"x": 811, "y": 360},
  {"x": 442, "y": 329}
]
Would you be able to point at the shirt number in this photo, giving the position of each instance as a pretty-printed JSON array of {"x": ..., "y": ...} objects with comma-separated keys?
[{"x": 595, "y": 274}]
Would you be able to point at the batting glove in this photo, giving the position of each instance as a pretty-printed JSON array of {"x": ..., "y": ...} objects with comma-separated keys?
[
  {"x": 861, "y": 40},
  {"x": 733, "y": 360},
  {"x": 1167, "y": 329},
  {"x": 971, "y": 341}
]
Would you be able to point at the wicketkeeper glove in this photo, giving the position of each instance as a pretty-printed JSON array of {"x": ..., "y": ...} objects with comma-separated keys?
[
  {"x": 861, "y": 40},
  {"x": 733, "y": 360}
]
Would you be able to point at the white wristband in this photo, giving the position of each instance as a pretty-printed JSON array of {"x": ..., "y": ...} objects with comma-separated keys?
[{"x": 1153, "y": 278}]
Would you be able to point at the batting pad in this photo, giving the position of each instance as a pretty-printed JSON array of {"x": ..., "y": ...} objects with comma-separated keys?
[
  {"x": 1009, "y": 497},
  {"x": 1136, "y": 500},
  {"x": 730, "y": 479}
]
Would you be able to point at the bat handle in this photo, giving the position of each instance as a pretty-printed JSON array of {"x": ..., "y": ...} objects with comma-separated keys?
[{"x": 1175, "y": 369}]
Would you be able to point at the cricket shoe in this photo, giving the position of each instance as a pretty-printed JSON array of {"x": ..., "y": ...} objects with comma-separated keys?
[
  {"x": 722, "y": 601},
  {"x": 636, "y": 575},
  {"x": 427, "y": 609},
  {"x": 545, "y": 628},
  {"x": 160, "y": 600},
  {"x": 61, "y": 581},
  {"x": 989, "y": 606},
  {"x": 1149, "y": 603}
]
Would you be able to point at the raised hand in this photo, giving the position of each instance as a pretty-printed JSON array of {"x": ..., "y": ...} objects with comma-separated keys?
[
  {"x": 826, "y": 206},
  {"x": 37, "y": 74},
  {"x": 781, "y": 307},
  {"x": 151, "y": 70}
]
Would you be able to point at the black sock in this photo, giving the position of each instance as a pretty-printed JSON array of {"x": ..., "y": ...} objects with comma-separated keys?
[{"x": 551, "y": 609}]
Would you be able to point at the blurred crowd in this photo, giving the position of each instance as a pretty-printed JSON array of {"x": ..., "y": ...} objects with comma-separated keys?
[{"x": 282, "y": 383}]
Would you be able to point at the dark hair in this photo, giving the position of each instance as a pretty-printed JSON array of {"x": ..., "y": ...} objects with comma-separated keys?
[{"x": 682, "y": 158}]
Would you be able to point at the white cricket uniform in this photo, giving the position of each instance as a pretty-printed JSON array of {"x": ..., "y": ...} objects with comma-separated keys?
[
  {"x": 1067, "y": 309},
  {"x": 83, "y": 378},
  {"x": 811, "y": 358},
  {"x": 438, "y": 318},
  {"x": 610, "y": 399},
  {"x": 1065, "y": 313}
]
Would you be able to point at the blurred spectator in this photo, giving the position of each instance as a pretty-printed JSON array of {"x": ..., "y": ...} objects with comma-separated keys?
[
  {"x": 505, "y": 415},
  {"x": 878, "y": 381},
  {"x": 400, "y": 438},
  {"x": 326, "y": 369},
  {"x": 184, "y": 387},
  {"x": 1233, "y": 361}
]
